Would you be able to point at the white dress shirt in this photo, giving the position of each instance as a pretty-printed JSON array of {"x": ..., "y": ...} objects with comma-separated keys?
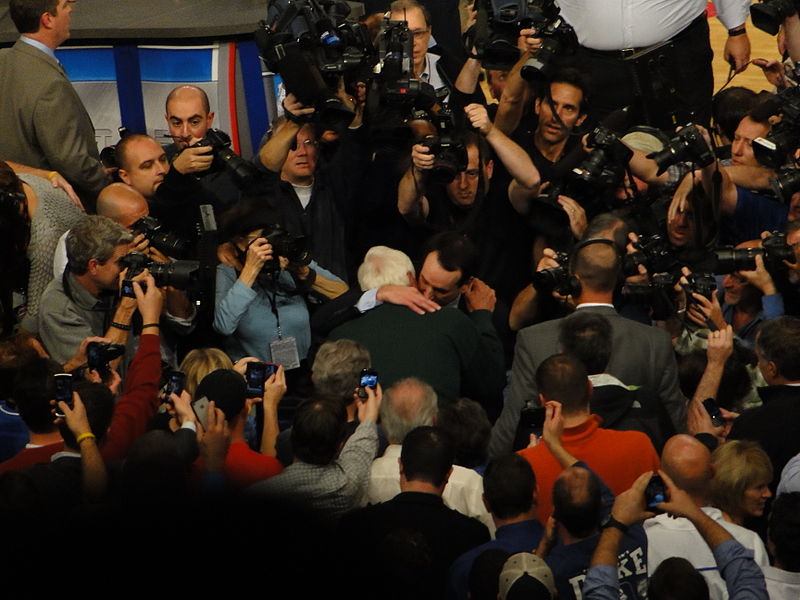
[{"x": 619, "y": 24}]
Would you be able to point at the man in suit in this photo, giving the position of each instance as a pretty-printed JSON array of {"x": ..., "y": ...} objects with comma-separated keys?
[
  {"x": 43, "y": 121},
  {"x": 641, "y": 355}
]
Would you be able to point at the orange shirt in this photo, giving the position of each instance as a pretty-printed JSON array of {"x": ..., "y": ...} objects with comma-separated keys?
[{"x": 617, "y": 457}]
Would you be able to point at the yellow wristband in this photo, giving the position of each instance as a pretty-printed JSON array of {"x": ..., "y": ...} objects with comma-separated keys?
[
  {"x": 85, "y": 436},
  {"x": 52, "y": 174}
]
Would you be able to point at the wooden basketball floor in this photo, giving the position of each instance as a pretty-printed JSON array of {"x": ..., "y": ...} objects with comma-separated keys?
[{"x": 762, "y": 45}]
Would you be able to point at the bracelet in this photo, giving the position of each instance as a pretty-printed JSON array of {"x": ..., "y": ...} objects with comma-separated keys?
[
  {"x": 86, "y": 436},
  {"x": 735, "y": 32},
  {"x": 52, "y": 174},
  {"x": 116, "y": 325},
  {"x": 145, "y": 326}
]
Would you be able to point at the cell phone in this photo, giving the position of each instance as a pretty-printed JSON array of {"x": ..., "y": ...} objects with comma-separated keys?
[
  {"x": 63, "y": 391},
  {"x": 200, "y": 408},
  {"x": 368, "y": 378},
  {"x": 655, "y": 492},
  {"x": 712, "y": 408},
  {"x": 175, "y": 383},
  {"x": 533, "y": 419},
  {"x": 255, "y": 376},
  {"x": 127, "y": 288}
]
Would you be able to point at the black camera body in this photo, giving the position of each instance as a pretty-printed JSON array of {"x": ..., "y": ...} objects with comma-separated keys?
[
  {"x": 770, "y": 14},
  {"x": 180, "y": 274},
  {"x": 605, "y": 165},
  {"x": 654, "y": 253},
  {"x": 554, "y": 278},
  {"x": 294, "y": 248},
  {"x": 772, "y": 151},
  {"x": 100, "y": 354},
  {"x": 774, "y": 251},
  {"x": 448, "y": 148},
  {"x": 505, "y": 19},
  {"x": 699, "y": 283},
  {"x": 225, "y": 158},
  {"x": 786, "y": 184},
  {"x": 688, "y": 145},
  {"x": 558, "y": 38},
  {"x": 162, "y": 240}
]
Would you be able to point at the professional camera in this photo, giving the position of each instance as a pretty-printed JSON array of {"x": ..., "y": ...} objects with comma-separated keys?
[
  {"x": 180, "y": 274},
  {"x": 688, "y": 145},
  {"x": 774, "y": 250},
  {"x": 606, "y": 163},
  {"x": 294, "y": 248},
  {"x": 100, "y": 354},
  {"x": 496, "y": 30},
  {"x": 557, "y": 38},
  {"x": 448, "y": 149},
  {"x": 162, "y": 240},
  {"x": 699, "y": 283},
  {"x": 296, "y": 40},
  {"x": 770, "y": 14},
  {"x": 554, "y": 278},
  {"x": 654, "y": 253},
  {"x": 786, "y": 183},
  {"x": 773, "y": 150},
  {"x": 395, "y": 70},
  {"x": 225, "y": 158},
  {"x": 108, "y": 155}
]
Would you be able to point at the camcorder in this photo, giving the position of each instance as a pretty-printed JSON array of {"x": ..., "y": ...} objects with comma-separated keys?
[
  {"x": 448, "y": 147},
  {"x": 310, "y": 44},
  {"x": 161, "y": 239},
  {"x": 225, "y": 158},
  {"x": 179, "y": 274}
]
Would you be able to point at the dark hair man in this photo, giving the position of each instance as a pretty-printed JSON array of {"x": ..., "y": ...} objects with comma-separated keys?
[
  {"x": 383, "y": 535},
  {"x": 318, "y": 479},
  {"x": 43, "y": 120},
  {"x": 776, "y": 424},
  {"x": 562, "y": 378},
  {"x": 641, "y": 355},
  {"x": 509, "y": 492}
]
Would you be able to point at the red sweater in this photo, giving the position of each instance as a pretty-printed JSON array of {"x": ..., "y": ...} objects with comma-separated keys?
[
  {"x": 617, "y": 457},
  {"x": 139, "y": 403}
]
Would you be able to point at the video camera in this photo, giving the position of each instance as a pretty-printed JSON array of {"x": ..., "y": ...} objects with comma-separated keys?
[
  {"x": 774, "y": 251},
  {"x": 300, "y": 41},
  {"x": 224, "y": 158},
  {"x": 557, "y": 38},
  {"x": 180, "y": 274},
  {"x": 162, "y": 240},
  {"x": 395, "y": 70},
  {"x": 448, "y": 148},
  {"x": 496, "y": 30},
  {"x": 688, "y": 145}
]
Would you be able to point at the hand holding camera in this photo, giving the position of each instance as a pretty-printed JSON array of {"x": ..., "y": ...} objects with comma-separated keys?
[
  {"x": 149, "y": 298},
  {"x": 194, "y": 159}
]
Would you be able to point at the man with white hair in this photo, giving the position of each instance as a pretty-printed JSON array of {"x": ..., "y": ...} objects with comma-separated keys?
[{"x": 443, "y": 348}]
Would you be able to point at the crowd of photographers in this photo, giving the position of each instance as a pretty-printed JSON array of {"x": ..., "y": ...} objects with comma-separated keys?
[{"x": 422, "y": 344}]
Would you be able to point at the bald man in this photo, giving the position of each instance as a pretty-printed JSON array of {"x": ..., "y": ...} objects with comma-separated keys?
[
  {"x": 189, "y": 117},
  {"x": 688, "y": 462}
]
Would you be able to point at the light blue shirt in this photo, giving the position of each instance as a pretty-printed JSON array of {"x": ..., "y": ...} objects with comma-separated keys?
[{"x": 39, "y": 45}]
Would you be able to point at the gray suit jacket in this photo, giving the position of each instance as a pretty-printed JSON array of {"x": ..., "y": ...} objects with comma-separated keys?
[
  {"x": 642, "y": 355},
  {"x": 43, "y": 122}
]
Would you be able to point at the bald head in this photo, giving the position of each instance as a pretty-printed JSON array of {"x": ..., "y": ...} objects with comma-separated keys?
[
  {"x": 188, "y": 114},
  {"x": 189, "y": 93},
  {"x": 121, "y": 203},
  {"x": 577, "y": 501},
  {"x": 688, "y": 463}
]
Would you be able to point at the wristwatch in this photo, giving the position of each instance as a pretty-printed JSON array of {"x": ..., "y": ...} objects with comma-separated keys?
[{"x": 610, "y": 521}]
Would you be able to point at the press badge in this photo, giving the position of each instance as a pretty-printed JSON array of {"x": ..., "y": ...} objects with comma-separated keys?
[{"x": 284, "y": 352}]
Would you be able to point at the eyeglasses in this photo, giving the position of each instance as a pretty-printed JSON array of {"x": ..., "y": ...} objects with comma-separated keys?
[{"x": 418, "y": 33}]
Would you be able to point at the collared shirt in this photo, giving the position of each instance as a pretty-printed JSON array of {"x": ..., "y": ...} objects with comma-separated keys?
[
  {"x": 40, "y": 46},
  {"x": 431, "y": 74},
  {"x": 65, "y": 322},
  {"x": 782, "y": 585},
  {"x": 618, "y": 24}
]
